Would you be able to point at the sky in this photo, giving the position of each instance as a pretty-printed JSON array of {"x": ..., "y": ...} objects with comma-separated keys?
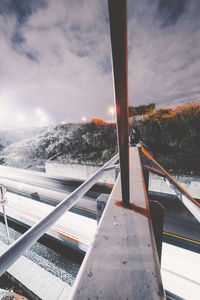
[{"x": 55, "y": 59}]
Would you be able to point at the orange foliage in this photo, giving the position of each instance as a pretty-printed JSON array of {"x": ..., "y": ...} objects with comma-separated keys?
[
  {"x": 98, "y": 122},
  {"x": 189, "y": 108}
]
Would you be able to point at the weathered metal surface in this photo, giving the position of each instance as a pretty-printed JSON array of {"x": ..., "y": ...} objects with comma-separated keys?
[
  {"x": 118, "y": 33},
  {"x": 122, "y": 263}
]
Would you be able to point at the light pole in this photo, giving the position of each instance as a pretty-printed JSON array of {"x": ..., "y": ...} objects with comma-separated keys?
[
  {"x": 43, "y": 118},
  {"x": 112, "y": 111},
  {"x": 84, "y": 120}
]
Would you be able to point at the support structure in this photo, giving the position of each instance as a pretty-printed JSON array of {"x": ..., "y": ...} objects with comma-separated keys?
[
  {"x": 122, "y": 262},
  {"x": 118, "y": 33}
]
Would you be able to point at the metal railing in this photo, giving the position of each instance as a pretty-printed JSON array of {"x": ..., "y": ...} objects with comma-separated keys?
[
  {"x": 153, "y": 166},
  {"x": 35, "y": 232}
]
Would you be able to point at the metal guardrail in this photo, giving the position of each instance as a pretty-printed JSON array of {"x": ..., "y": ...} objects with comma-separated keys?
[
  {"x": 35, "y": 232},
  {"x": 189, "y": 202},
  {"x": 3, "y": 202},
  {"x": 153, "y": 166}
]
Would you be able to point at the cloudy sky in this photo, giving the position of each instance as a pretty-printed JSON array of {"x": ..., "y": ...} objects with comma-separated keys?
[{"x": 55, "y": 61}]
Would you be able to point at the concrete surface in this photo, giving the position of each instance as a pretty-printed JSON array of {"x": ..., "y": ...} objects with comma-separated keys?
[
  {"x": 122, "y": 262},
  {"x": 190, "y": 183},
  {"x": 37, "y": 280},
  {"x": 55, "y": 169}
]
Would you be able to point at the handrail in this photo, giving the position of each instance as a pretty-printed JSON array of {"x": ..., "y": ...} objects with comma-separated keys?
[
  {"x": 35, "y": 232},
  {"x": 192, "y": 205}
]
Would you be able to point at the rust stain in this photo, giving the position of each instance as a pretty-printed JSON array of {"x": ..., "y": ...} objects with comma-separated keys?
[{"x": 138, "y": 209}]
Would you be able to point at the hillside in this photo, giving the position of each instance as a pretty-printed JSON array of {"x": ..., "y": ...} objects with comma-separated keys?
[
  {"x": 173, "y": 136},
  {"x": 87, "y": 143}
]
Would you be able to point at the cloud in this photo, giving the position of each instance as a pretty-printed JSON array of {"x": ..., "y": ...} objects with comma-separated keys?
[
  {"x": 61, "y": 62},
  {"x": 55, "y": 55},
  {"x": 164, "y": 57}
]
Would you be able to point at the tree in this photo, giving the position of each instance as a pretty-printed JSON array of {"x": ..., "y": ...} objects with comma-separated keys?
[
  {"x": 98, "y": 121},
  {"x": 142, "y": 110}
]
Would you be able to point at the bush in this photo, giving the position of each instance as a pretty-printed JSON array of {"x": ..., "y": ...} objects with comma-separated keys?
[
  {"x": 85, "y": 143},
  {"x": 174, "y": 137}
]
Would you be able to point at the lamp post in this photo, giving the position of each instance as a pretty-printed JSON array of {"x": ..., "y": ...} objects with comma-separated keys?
[
  {"x": 84, "y": 120},
  {"x": 112, "y": 111}
]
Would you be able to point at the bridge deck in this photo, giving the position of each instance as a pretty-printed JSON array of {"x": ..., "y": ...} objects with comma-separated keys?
[{"x": 122, "y": 263}]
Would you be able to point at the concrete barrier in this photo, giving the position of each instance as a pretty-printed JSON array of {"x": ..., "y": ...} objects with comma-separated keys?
[
  {"x": 77, "y": 171},
  {"x": 190, "y": 183}
]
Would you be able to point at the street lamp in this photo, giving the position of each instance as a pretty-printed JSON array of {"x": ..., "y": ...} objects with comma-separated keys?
[
  {"x": 84, "y": 120},
  {"x": 20, "y": 117},
  {"x": 39, "y": 112},
  {"x": 112, "y": 111},
  {"x": 44, "y": 120}
]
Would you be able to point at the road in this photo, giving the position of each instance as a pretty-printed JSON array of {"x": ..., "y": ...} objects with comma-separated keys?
[
  {"x": 180, "y": 270},
  {"x": 71, "y": 229},
  {"x": 179, "y": 265},
  {"x": 183, "y": 231},
  {"x": 38, "y": 186}
]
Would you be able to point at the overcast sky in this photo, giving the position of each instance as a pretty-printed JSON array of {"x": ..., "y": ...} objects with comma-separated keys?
[{"x": 55, "y": 57}]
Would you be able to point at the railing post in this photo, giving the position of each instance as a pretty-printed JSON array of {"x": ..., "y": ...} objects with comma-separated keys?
[{"x": 3, "y": 202}]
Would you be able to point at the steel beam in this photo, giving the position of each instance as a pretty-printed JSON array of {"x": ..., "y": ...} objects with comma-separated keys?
[{"x": 118, "y": 33}]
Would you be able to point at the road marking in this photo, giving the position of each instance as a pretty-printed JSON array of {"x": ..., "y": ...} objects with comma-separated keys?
[
  {"x": 81, "y": 208},
  {"x": 52, "y": 228},
  {"x": 71, "y": 237},
  {"x": 53, "y": 200},
  {"x": 181, "y": 237}
]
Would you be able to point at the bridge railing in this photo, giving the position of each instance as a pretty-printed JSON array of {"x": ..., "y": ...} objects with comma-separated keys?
[
  {"x": 188, "y": 201},
  {"x": 35, "y": 232}
]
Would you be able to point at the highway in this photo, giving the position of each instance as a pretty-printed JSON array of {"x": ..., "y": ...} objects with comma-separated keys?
[
  {"x": 71, "y": 229},
  {"x": 32, "y": 195},
  {"x": 38, "y": 186},
  {"x": 26, "y": 185},
  {"x": 180, "y": 269},
  {"x": 182, "y": 231}
]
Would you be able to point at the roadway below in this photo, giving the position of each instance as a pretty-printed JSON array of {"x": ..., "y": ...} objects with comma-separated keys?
[
  {"x": 25, "y": 185},
  {"x": 31, "y": 195},
  {"x": 39, "y": 187},
  {"x": 73, "y": 230}
]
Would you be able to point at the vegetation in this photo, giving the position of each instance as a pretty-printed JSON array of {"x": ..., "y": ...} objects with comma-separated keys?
[
  {"x": 88, "y": 143},
  {"x": 174, "y": 137},
  {"x": 142, "y": 110}
]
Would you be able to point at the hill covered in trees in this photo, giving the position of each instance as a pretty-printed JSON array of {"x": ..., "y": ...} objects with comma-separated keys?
[
  {"x": 173, "y": 136},
  {"x": 89, "y": 143},
  {"x": 142, "y": 110}
]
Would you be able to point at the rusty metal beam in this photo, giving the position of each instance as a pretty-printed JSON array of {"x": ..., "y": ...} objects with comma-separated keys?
[{"x": 118, "y": 32}]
